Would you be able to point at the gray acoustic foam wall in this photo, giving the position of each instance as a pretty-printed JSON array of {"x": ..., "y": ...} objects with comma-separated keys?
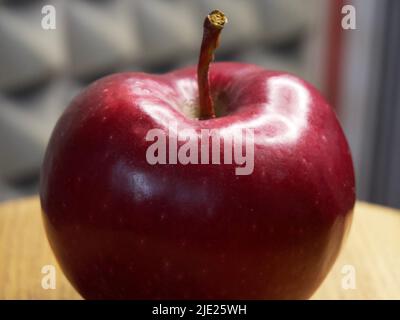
[{"x": 41, "y": 70}]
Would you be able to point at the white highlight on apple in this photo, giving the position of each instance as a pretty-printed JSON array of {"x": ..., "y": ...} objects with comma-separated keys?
[
  {"x": 237, "y": 147},
  {"x": 288, "y": 106}
]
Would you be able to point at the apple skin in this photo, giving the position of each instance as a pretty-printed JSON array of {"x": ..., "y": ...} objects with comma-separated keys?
[{"x": 123, "y": 229}]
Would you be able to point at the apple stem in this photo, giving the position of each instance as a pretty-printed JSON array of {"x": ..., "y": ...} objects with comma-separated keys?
[{"x": 213, "y": 25}]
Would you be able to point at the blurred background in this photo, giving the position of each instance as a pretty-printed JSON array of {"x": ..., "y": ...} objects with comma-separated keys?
[{"x": 357, "y": 70}]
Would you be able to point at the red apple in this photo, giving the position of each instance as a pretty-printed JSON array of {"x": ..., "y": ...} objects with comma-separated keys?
[{"x": 121, "y": 227}]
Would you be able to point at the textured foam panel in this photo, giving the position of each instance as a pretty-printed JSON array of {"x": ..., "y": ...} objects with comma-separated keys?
[{"x": 41, "y": 70}]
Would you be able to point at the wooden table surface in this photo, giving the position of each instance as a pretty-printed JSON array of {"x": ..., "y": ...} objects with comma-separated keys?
[{"x": 371, "y": 253}]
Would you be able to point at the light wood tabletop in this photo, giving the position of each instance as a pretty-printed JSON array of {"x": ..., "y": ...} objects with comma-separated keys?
[{"x": 367, "y": 268}]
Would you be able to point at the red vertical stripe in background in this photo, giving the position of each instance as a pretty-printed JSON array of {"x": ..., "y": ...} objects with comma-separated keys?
[{"x": 334, "y": 52}]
